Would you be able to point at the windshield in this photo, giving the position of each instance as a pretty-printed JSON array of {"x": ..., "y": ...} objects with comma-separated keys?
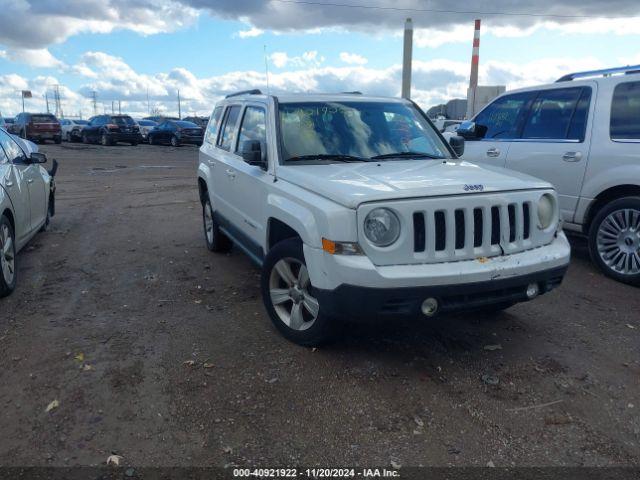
[
  {"x": 183, "y": 124},
  {"x": 80, "y": 122},
  {"x": 359, "y": 130},
  {"x": 146, "y": 123}
]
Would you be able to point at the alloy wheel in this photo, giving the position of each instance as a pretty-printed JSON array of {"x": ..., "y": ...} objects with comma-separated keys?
[
  {"x": 289, "y": 286},
  {"x": 208, "y": 222},
  {"x": 618, "y": 241},
  {"x": 7, "y": 255}
]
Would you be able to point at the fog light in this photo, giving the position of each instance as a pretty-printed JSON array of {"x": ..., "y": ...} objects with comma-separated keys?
[
  {"x": 532, "y": 290},
  {"x": 430, "y": 307}
]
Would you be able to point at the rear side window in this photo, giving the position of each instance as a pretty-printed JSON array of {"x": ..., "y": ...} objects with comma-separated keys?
[
  {"x": 502, "y": 118},
  {"x": 212, "y": 128},
  {"x": 625, "y": 112},
  {"x": 228, "y": 137},
  {"x": 553, "y": 113}
]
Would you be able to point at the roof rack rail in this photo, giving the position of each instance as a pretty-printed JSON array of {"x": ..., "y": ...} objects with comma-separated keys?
[
  {"x": 629, "y": 69},
  {"x": 255, "y": 91},
  {"x": 355, "y": 92}
]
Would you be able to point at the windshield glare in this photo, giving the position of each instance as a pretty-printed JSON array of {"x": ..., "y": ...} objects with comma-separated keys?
[{"x": 357, "y": 129}]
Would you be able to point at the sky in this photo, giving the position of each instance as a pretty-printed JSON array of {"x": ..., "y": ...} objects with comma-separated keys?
[{"x": 142, "y": 53}]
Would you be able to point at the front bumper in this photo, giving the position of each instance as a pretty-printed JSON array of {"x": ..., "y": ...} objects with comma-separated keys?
[
  {"x": 353, "y": 286},
  {"x": 362, "y": 303}
]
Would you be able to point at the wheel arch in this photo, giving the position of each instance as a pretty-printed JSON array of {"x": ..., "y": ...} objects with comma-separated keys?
[
  {"x": 277, "y": 231},
  {"x": 203, "y": 189},
  {"x": 9, "y": 214},
  {"x": 607, "y": 196}
]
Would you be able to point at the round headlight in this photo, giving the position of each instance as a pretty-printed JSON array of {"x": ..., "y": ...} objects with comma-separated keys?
[
  {"x": 382, "y": 227},
  {"x": 546, "y": 211}
]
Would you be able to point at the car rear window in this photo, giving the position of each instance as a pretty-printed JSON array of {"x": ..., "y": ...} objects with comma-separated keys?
[
  {"x": 43, "y": 119},
  {"x": 123, "y": 120},
  {"x": 625, "y": 112}
]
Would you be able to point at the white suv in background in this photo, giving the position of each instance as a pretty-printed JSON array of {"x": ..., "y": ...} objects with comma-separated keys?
[
  {"x": 582, "y": 134},
  {"x": 356, "y": 207}
]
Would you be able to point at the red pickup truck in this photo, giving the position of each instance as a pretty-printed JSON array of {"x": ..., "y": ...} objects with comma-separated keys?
[{"x": 37, "y": 127}]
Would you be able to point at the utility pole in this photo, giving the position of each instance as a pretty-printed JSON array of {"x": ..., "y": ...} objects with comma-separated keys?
[
  {"x": 112, "y": 108},
  {"x": 179, "y": 107},
  {"x": 46, "y": 99},
  {"x": 58, "y": 102},
  {"x": 407, "y": 58},
  {"x": 94, "y": 95},
  {"x": 119, "y": 109},
  {"x": 148, "y": 105}
]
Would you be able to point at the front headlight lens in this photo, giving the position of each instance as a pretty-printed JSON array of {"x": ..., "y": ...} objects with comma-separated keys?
[
  {"x": 382, "y": 227},
  {"x": 546, "y": 211}
]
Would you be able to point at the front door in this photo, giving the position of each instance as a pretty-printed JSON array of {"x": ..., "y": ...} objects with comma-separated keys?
[
  {"x": 496, "y": 126},
  {"x": 554, "y": 143},
  {"x": 14, "y": 180}
]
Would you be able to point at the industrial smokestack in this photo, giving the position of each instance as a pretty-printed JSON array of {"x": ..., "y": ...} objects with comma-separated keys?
[
  {"x": 407, "y": 58},
  {"x": 473, "y": 79}
]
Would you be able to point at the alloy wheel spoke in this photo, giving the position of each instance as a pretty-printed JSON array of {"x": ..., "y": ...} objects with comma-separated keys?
[
  {"x": 311, "y": 304},
  {"x": 303, "y": 277},
  {"x": 296, "y": 320},
  {"x": 279, "y": 295},
  {"x": 284, "y": 270}
]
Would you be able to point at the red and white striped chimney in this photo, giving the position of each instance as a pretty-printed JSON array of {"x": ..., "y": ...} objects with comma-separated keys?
[{"x": 475, "y": 57}]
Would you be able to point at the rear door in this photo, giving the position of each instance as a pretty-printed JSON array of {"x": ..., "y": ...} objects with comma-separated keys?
[
  {"x": 497, "y": 125},
  {"x": 224, "y": 171},
  {"x": 554, "y": 143}
]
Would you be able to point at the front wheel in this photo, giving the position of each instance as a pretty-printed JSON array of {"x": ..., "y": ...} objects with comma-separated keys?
[
  {"x": 150, "y": 139},
  {"x": 174, "y": 141},
  {"x": 614, "y": 240},
  {"x": 8, "y": 274},
  {"x": 104, "y": 140},
  {"x": 288, "y": 296}
]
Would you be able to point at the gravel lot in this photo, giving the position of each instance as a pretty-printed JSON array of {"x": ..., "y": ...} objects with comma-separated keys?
[{"x": 161, "y": 352}]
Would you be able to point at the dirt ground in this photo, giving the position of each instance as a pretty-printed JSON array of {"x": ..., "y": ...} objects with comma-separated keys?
[{"x": 161, "y": 352}]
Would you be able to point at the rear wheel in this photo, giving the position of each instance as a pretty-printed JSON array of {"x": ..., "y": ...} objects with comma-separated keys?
[
  {"x": 69, "y": 139},
  {"x": 174, "y": 141},
  {"x": 105, "y": 140},
  {"x": 216, "y": 240},
  {"x": 85, "y": 138},
  {"x": 150, "y": 139},
  {"x": 614, "y": 240},
  {"x": 8, "y": 274},
  {"x": 287, "y": 294}
]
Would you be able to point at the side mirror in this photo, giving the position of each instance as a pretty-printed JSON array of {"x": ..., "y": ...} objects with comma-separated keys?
[
  {"x": 457, "y": 143},
  {"x": 467, "y": 130},
  {"x": 252, "y": 153},
  {"x": 37, "y": 157}
]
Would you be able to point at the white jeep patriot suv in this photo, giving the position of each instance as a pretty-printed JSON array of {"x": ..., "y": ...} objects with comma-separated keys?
[
  {"x": 582, "y": 134},
  {"x": 356, "y": 207}
]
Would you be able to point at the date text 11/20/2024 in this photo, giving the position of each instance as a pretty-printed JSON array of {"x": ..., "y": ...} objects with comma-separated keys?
[{"x": 315, "y": 473}]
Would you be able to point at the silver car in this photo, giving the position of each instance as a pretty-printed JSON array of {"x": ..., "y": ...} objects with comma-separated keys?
[{"x": 27, "y": 202}]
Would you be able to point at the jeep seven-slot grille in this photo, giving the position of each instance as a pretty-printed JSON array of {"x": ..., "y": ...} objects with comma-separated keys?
[{"x": 489, "y": 226}]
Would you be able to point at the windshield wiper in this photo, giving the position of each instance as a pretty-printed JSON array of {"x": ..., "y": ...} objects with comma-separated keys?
[
  {"x": 407, "y": 155},
  {"x": 327, "y": 156}
]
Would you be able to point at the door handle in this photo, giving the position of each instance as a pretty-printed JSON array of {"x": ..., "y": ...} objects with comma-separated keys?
[
  {"x": 572, "y": 157},
  {"x": 231, "y": 174},
  {"x": 30, "y": 180},
  {"x": 493, "y": 152}
]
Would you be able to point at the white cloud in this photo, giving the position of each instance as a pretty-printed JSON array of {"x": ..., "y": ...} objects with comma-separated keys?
[
  {"x": 252, "y": 32},
  {"x": 353, "y": 58},
  {"x": 38, "y": 57},
  {"x": 307, "y": 59}
]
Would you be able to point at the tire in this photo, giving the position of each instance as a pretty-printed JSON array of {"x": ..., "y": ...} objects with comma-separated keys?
[
  {"x": 105, "y": 141},
  {"x": 85, "y": 138},
  {"x": 174, "y": 141},
  {"x": 297, "y": 314},
  {"x": 150, "y": 139},
  {"x": 216, "y": 240},
  {"x": 614, "y": 240},
  {"x": 8, "y": 263},
  {"x": 69, "y": 137},
  {"x": 58, "y": 140}
]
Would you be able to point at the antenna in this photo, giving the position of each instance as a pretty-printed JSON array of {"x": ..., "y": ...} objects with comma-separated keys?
[{"x": 266, "y": 68}]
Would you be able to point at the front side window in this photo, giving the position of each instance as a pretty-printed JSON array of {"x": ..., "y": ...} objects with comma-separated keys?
[
  {"x": 11, "y": 149},
  {"x": 254, "y": 127},
  {"x": 356, "y": 130},
  {"x": 625, "y": 112},
  {"x": 212, "y": 128},
  {"x": 552, "y": 113},
  {"x": 502, "y": 118},
  {"x": 228, "y": 137}
]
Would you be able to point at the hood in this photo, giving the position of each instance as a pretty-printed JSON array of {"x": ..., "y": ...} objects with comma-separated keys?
[{"x": 351, "y": 184}]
